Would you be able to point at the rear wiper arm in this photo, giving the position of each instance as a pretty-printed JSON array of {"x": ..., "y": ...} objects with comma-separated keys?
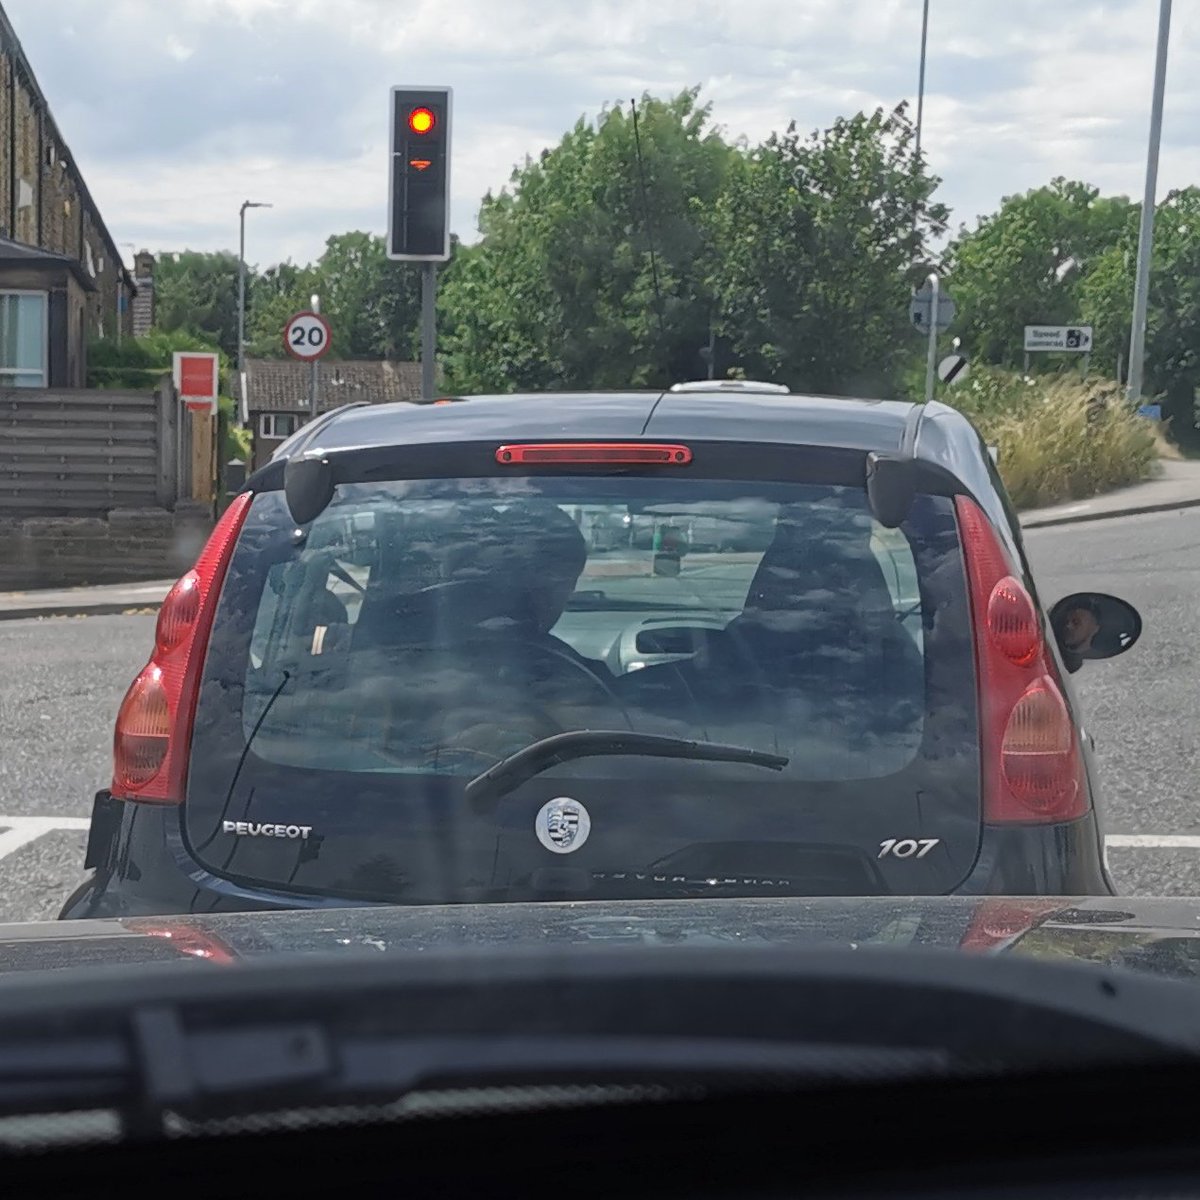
[{"x": 531, "y": 760}]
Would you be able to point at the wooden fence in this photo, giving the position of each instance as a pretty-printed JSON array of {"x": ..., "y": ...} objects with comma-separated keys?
[{"x": 67, "y": 452}]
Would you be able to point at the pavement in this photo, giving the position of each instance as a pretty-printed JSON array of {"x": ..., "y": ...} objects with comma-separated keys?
[{"x": 1177, "y": 487}]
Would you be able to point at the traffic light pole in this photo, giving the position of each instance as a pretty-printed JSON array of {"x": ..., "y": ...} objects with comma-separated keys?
[{"x": 428, "y": 329}]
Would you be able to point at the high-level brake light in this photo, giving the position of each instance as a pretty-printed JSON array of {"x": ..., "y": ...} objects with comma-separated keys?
[
  {"x": 1032, "y": 769},
  {"x": 154, "y": 724},
  {"x": 595, "y": 454}
]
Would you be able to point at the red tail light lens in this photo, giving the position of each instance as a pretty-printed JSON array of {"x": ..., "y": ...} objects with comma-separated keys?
[
  {"x": 644, "y": 454},
  {"x": 1037, "y": 750},
  {"x": 1032, "y": 770},
  {"x": 1013, "y": 623},
  {"x": 143, "y": 732},
  {"x": 154, "y": 724},
  {"x": 178, "y": 613}
]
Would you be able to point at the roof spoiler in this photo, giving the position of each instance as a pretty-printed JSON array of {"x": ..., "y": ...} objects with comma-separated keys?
[
  {"x": 892, "y": 478},
  {"x": 308, "y": 486},
  {"x": 891, "y": 488}
]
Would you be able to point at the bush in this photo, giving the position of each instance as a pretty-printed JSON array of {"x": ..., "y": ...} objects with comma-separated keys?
[{"x": 1059, "y": 437}]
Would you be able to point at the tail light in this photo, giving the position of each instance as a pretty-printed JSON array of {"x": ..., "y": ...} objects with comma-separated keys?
[
  {"x": 1032, "y": 769},
  {"x": 154, "y": 723}
]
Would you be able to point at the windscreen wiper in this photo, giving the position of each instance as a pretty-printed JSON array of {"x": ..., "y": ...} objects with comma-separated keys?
[{"x": 531, "y": 760}]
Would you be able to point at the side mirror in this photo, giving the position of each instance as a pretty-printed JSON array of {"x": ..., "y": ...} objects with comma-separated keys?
[{"x": 1092, "y": 625}]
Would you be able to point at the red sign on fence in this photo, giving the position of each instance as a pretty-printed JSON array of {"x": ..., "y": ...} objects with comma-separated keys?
[{"x": 197, "y": 379}]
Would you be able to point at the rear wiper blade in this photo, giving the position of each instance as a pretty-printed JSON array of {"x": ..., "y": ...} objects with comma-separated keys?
[{"x": 531, "y": 760}]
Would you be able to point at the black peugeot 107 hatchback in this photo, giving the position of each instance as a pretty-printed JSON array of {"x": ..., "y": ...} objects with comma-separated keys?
[{"x": 708, "y": 642}]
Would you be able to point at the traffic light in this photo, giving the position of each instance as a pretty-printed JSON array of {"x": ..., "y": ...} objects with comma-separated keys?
[{"x": 419, "y": 202}]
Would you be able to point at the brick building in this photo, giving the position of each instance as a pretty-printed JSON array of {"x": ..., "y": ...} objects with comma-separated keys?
[{"x": 62, "y": 281}]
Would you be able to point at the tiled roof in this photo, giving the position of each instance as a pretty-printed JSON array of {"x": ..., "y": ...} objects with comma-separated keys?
[{"x": 282, "y": 385}]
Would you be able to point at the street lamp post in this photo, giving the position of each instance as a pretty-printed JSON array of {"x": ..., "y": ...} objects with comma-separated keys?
[
  {"x": 921, "y": 75},
  {"x": 241, "y": 337},
  {"x": 1141, "y": 288}
]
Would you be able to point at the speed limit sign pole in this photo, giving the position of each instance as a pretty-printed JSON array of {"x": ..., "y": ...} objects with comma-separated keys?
[{"x": 307, "y": 336}]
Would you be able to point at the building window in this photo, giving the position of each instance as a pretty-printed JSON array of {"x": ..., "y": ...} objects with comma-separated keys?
[
  {"x": 277, "y": 425},
  {"x": 89, "y": 259},
  {"x": 23, "y": 342}
]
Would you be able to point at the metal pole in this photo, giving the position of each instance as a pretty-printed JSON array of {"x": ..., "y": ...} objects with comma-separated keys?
[
  {"x": 312, "y": 379},
  {"x": 921, "y": 76},
  {"x": 1141, "y": 290},
  {"x": 920, "y": 115},
  {"x": 428, "y": 330},
  {"x": 931, "y": 352},
  {"x": 241, "y": 324}
]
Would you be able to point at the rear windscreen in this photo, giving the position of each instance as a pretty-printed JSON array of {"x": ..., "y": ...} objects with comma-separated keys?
[{"x": 434, "y": 627}]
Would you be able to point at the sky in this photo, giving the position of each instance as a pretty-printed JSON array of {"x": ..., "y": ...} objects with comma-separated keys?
[{"x": 178, "y": 110}]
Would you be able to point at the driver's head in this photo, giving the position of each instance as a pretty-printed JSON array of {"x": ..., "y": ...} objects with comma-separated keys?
[
  {"x": 557, "y": 554},
  {"x": 521, "y": 560},
  {"x": 1080, "y": 626}
]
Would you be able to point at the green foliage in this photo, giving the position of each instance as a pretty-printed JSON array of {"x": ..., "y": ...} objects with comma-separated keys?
[
  {"x": 1028, "y": 263},
  {"x": 560, "y": 291},
  {"x": 139, "y": 363},
  {"x": 1173, "y": 319},
  {"x": 815, "y": 238},
  {"x": 236, "y": 440},
  {"x": 197, "y": 293},
  {"x": 278, "y": 294},
  {"x": 1059, "y": 437}
]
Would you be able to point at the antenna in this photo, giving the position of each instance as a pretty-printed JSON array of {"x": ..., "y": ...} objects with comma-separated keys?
[{"x": 658, "y": 300}]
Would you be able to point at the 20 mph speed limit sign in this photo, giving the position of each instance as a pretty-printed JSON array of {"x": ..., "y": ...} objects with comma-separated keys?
[{"x": 307, "y": 336}]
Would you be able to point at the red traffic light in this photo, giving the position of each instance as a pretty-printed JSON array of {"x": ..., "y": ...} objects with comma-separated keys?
[{"x": 421, "y": 121}]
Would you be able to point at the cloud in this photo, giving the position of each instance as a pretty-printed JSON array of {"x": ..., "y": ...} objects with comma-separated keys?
[{"x": 178, "y": 111}]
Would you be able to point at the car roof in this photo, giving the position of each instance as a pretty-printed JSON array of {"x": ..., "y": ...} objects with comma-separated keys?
[{"x": 710, "y": 416}]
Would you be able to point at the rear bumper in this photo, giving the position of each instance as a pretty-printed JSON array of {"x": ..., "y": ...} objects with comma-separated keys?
[{"x": 143, "y": 868}]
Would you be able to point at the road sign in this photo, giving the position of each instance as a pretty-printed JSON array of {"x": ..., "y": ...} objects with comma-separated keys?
[
  {"x": 419, "y": 180},
  {"x": 953, "y": 368},
  {"x": 197, "y": 379},
  {"x": 307, "y": 336},
  {"x": 922, "y": 303},
  {"x": 1067, "y": 339},
  {"x": 1152, "y": 412}
]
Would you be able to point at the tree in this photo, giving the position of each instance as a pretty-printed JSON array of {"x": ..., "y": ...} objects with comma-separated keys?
[
  {"x": 815, "y": 238},
  {"x": 1025, "y": 264},
  {"x": 373, "y": 304},
  {"x": 278, "y": 293},
  {"x": 592, "y": 266},
  {"x": 197, "y": 293},
  {"x": 1172, "y": 365}
]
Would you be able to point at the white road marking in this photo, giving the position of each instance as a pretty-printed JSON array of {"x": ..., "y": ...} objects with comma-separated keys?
[
  {"x": 20, "y": 831},
  {"x": 1154, "y": 841}
]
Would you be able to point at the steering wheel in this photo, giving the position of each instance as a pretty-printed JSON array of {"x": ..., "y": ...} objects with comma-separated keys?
[
  {"x": 533, "y": 718},
  {"x": 595, "y": 680}
]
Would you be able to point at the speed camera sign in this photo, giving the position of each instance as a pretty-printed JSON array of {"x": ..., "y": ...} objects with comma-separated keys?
[{"x": 307, "y": 336}]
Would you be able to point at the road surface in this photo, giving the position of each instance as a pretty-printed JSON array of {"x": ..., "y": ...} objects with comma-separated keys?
[{"x": 63, "y": 678}]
